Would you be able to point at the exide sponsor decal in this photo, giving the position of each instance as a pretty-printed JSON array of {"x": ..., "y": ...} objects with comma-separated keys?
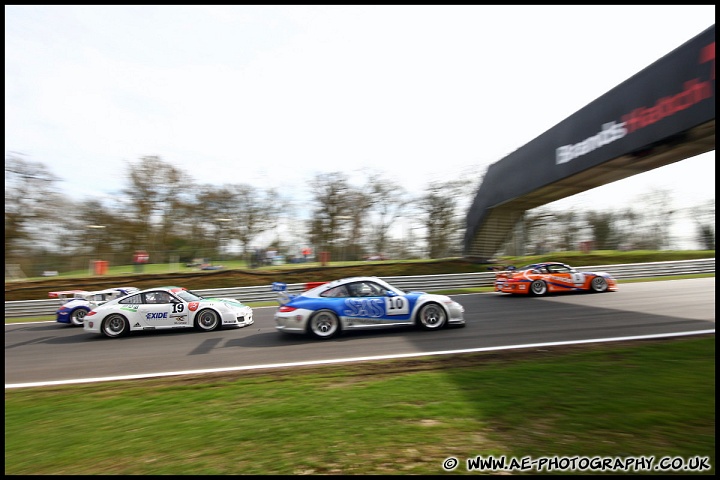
[
  {"x": 151, "y": 316},
  {"x": 694, "y": 92}
]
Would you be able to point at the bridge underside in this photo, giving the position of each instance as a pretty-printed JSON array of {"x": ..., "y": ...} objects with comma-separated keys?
[{"x": 500, "y": 219}]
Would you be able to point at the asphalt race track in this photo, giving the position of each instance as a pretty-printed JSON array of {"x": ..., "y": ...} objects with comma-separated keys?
[{"x": 37, "y": 353}]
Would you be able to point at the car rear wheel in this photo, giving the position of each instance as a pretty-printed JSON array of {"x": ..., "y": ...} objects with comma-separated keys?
[
  {"x": 324, "y": 324},
  {"x": 538, "y": 287},
  {"x": 431, "y": 317},
  {"x": 599, "y": 285},
  {"x": 115, "y": 326},
  {"x": 76, "y": 318},
  {"x": 207, "y": 320}
]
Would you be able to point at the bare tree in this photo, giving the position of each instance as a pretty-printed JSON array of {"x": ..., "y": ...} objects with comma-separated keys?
[
  {"x": 234, "y": 213},
  {"x": 569, "y": 223},
  {"x": 704, "y": 217},
  {"x": 156, "y": 190},
  {"x": 657, "y": 218},
  {"x": 30, "y": 195},
  {"x": 332, "y": 209},
  {"x": 627, "y": 223},
  {"x": 213, "y": 217},
  {"x": 602, "y": 225},
  {"x": 387, "y": 201},
  {"x": 256, "y": 212},
  {"x": 538, "y": 232},
  {"x": 358, "y": 205},
  {"x": 440, "y": 216}
]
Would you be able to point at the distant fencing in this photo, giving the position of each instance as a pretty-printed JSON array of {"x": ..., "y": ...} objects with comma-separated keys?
[{"x": 429, "y": 283}]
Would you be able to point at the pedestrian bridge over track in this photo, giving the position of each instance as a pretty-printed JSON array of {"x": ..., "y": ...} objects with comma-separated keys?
[{"x": 661, "y": 115}]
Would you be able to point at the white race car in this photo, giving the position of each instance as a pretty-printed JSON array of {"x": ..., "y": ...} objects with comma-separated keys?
[
  {"x": 78, "y": 302},
  {"x": 165, "y": 308}
]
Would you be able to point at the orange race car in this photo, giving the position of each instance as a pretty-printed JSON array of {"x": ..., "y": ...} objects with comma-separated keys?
[{"x": 551, "y": 277}]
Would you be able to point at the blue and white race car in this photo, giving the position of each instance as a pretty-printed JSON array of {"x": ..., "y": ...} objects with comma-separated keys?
[
  {"x": 165, "y": 308},
  {"x": 78, "y": 302},
  {"x": 327, "y": 309}
]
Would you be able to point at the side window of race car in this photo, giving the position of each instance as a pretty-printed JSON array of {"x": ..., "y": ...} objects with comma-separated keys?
[
  {"x": 337, "y": 292},
  {"x": 359, "y": 289},
  {"x": 162, "y": 297},
  {"x": 131, "y": 299},
  {"x": 376, "y": 290}
]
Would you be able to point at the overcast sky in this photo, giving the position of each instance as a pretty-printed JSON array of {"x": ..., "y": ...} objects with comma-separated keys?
[{"x": 272, "y": 95}]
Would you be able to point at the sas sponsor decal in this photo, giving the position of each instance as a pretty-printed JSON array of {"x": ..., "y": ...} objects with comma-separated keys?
[
  {"x": 376, "y": 307},
  {"x": 367, "y": 307},
  {"x": 192, "y": 306}
]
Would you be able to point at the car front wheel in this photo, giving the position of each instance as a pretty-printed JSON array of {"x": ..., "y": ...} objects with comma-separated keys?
[
  {"x": 115, "y": 326},
  {"x": 431, "y": 317},
  {"x": 324, "y": 325},
  {"x": 207, "y": 320}
]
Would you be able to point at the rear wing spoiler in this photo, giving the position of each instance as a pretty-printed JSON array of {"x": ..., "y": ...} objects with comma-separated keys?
[
  {"x": 502, "y": 268},
  {"x": 283, "y": 295},
  {"x": 65, "y": 294}
]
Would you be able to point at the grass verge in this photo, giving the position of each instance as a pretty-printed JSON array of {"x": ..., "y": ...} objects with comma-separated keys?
[{"x": 651, "y": 398}]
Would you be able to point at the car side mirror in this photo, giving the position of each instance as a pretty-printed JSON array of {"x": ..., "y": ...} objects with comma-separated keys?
[{"x": 390, "y": 293}]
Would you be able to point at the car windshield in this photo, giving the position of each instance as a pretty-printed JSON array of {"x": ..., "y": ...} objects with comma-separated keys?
[{"x": 188, "y": 296}]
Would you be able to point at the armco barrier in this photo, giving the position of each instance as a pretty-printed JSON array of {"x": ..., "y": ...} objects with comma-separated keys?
[{"x": 429, "y": 283}]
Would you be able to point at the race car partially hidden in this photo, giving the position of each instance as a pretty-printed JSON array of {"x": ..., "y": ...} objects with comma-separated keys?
[
  {"x": 79, "y": 302},
  {"x": 165, "y": 308},
  {"x": 327, "y": 309},
  {"x": 551, "y": 277}
]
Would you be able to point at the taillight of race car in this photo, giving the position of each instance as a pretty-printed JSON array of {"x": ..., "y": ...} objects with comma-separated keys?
[
  {"x": 90, "y": 314},
  {"x": 287, "y": 309}
]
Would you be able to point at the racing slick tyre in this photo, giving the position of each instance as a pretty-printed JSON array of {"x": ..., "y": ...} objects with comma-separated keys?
[
  {"x": 538, "y": 287},
  {"x": 207, "y": 320},
  {"x": 431, "y": 317},
  {"x": 599, "y": 285},
  {"x": 115, "y": 326},
  {"x": 324, "y": 324},
  {"x": 76, "y": 317}
]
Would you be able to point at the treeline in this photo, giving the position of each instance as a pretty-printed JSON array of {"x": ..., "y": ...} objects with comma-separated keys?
[{"x": 162, "y": 210}]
